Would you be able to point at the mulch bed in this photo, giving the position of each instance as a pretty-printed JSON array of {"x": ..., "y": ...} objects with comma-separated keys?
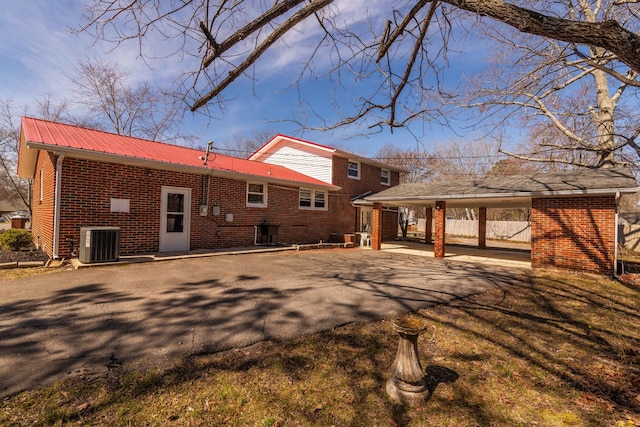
[{"x": 22, "y": 255}]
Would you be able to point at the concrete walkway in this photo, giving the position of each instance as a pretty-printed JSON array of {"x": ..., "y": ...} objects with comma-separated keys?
[{"x": 86, "y": 321}]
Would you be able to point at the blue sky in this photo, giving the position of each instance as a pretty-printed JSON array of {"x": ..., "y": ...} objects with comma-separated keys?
[{"x": 38, "y": 53}]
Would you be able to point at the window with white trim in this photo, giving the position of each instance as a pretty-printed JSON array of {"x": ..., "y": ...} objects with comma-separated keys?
[
  {"x": 353, "y": 169},
  {"x": 312, "y": 199},
  {"x": 256, "y": 194},
  {"x": 385, "y": 177}
]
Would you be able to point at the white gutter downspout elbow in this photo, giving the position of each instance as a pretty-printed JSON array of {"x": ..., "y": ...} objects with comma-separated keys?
[{"x": 56, "y": 207}]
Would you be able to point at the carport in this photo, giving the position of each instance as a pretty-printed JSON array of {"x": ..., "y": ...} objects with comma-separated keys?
[{"x": 574, "y": 214}]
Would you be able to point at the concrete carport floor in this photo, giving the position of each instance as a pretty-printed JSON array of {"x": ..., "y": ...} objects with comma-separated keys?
[
  {"x": 87, "y": 321},
  {"x": 499, "y": 253}
]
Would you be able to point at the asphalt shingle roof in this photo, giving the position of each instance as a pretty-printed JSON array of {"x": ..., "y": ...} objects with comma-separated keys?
[{"x": 586, "y": 181}]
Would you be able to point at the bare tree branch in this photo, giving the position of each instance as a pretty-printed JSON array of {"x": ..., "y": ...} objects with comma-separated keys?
[{"x": 260, "y": 49}]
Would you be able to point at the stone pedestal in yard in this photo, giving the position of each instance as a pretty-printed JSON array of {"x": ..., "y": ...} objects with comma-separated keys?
[{"x": 407, "y": 384}]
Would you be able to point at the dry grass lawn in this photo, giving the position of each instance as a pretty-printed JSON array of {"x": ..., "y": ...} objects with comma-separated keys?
[{"x": 562, "y": 350}]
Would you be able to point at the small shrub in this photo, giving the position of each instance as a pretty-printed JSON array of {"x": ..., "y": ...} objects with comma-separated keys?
[{"x": 15, "y": 239}]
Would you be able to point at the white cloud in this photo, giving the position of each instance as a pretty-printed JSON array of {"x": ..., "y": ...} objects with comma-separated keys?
[{"x": 38, "y": 51}]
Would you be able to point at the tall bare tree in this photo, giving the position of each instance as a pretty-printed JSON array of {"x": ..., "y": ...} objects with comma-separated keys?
[
  {"x": 418, "y": 162},
  {"x": 11, "y": 187},
  {"x": 114, "y": 103},
  {"x": 241, "y": 145},
  {"x": 109, "y": 102},
  {"x": 576, "y": 111}
]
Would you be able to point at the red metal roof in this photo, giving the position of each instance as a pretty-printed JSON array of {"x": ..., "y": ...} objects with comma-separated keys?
[{"x": 60, "y": 136}]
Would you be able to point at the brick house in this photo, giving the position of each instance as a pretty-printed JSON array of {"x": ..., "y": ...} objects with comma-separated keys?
[
  {"x": 165, "y": 197},
  {"x": 574, "y": 214},
  {"x": 356, "y": 176}
]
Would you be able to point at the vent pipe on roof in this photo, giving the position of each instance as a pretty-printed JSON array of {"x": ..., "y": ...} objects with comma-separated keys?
[
  {"x": 56, "y": 207},
  {"x": 205, "y": 158}
]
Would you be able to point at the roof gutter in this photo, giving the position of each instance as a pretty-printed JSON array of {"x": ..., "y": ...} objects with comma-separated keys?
[{"x": 56, "y": 206}]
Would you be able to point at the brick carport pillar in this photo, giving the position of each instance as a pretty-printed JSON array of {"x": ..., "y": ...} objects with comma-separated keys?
[
  {"x": 440, "y": 221},
  {"x": 428, "y": 225},
  {"x": 482, "y": 228},
  {"x": 376, "y": 227}
]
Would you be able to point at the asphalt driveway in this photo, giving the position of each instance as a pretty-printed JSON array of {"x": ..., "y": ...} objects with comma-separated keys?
[{"x": 86, "y": 321}]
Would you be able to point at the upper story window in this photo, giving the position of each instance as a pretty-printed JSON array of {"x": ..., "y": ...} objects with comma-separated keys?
[
  {"x": 256, "y": 194},
  {"x": 353, "y": 169},
  {"x": 312, "y": 199},
  {"x": 385, "y": 177}
]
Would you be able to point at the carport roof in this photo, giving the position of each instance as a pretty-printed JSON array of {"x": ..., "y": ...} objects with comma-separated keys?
[{"x": 510, "y": 191}]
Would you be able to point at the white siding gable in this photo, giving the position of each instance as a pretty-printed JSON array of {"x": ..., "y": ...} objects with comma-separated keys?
[{"x": 302, "y": 158}]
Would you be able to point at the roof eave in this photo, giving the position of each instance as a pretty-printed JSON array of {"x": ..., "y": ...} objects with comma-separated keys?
[
  {"x": 27, "y": 158},
  {"x": 601, "y": 191},
  {"x": 370, "y": 161}
]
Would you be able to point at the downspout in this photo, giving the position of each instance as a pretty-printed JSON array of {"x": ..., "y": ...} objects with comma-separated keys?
[
  {"x": 56, "y": 206},
  {"x": 615, "y": 248}
]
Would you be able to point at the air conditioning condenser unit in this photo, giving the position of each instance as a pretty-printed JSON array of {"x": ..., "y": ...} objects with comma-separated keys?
[{"x": 99, "y": 244}]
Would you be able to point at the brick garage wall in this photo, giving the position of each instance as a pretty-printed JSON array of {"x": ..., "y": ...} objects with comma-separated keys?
[
  {"x": 42, "y": 208},
  {"x": 346, "y": 220},
  {"x": 88, "y": 187},
  {"x": 574, "y": 233}
]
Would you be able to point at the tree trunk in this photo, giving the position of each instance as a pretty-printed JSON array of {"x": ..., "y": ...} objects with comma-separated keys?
[{"x": 604, "y": 119}]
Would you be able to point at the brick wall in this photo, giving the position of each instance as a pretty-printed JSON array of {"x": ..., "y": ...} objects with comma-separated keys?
[
  {"x": 42, "y": 209},
  {"x": 348, "y": 220},
  {"x": 574, "y": 233},
  {"x": 389, "y": 225},
  {"x": 88, "y": 187}
]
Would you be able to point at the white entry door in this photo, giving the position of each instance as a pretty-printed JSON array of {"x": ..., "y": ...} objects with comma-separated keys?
[{"x": 175, "y": 219}]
